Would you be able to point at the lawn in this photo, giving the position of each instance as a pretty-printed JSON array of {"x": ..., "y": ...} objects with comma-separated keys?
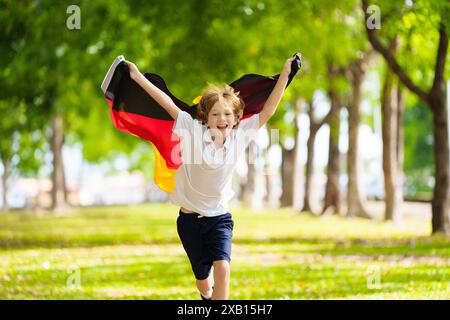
[{"x": 133, "y": 252}]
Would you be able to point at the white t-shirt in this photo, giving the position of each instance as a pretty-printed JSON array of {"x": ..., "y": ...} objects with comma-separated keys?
[{"x": 203, "y": 180}]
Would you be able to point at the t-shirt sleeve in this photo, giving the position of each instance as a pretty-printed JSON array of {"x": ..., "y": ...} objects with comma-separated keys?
[
  {"x": 250, "y": 127},
  {"x": 184, "y": 122}
]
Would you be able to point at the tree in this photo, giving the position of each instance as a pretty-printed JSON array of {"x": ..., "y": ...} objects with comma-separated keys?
[
  {"x": 333, "y": 53},
  {"x": 64, "y": 61},
  {"x": 19, "y": 137},
  {"x": 356, "y": 72},
  {"x": 332, "y": 201},
  {"x": 423, "y": 13},
  {"x": 314, "y": 127},
  {"x": 13, "y": 117},
  {"x": 392, "y": 124}
]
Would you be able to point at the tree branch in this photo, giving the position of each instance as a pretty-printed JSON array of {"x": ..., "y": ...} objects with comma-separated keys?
[
  {"x": 439, "y": 68},
  {"x": 391, "y": 61},
  {"x": 325, "y": 119}
]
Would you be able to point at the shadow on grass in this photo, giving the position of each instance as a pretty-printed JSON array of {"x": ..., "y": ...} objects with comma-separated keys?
[
  {"x": 436, "y": 246},
  {"x": 174, "y": 280},
  {"x": 121, "y": 281},
  {"x": 26, "y": 244},
  {"x": 156, "y": 276}
]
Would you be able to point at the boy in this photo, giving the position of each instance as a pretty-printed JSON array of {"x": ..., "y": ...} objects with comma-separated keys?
[{"x": 210, "y": 146}]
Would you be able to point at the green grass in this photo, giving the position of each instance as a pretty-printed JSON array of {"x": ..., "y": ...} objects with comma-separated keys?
[{"x": 134, "y": 253}]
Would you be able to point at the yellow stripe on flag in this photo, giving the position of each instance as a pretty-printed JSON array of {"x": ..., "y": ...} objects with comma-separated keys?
[{"x": 164, "y": 177}]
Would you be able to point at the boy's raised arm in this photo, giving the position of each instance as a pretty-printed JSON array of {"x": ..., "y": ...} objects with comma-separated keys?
[
  {"x": 274, "y": 99},
  {"x": 161, "y": 97}
]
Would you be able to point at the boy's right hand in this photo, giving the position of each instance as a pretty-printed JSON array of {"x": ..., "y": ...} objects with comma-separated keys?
[
  {"x": 288, "y": 66},
  {"x": 134, "y": 72}
]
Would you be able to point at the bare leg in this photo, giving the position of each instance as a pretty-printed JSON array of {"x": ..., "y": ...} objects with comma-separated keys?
[
  {"x": 205, "y": 285},
  {"x": 221, "y": 280}
]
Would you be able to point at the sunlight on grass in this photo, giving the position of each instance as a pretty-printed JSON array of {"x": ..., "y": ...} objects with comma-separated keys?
[{"x": 133, "y": 252}]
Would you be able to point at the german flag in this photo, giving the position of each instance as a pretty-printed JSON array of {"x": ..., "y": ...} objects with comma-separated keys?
[{"x": 134, "y": 111}]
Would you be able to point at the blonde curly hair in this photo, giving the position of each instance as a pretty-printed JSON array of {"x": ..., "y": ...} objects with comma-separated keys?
[{"x": 225, "y": 94}]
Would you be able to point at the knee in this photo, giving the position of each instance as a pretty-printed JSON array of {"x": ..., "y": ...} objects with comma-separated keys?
[
  {"x": 203, "y": 285},
  {"x": 221, "y": 270}
]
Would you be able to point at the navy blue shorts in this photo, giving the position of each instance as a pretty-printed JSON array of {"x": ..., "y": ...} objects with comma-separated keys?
[{"x": 205, "y": 239}]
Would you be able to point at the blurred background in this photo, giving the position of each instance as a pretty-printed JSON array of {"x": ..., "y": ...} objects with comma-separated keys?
[{"x": 361, "y": 132}]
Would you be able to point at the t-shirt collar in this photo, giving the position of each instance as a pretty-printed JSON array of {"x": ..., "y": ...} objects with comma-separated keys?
[{"x": 208, "y": 139}]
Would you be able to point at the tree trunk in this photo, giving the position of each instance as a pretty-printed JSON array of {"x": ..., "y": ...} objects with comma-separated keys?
[
  {"x": 392, "y": 101},
  {"x": 309, "y": 174},
  {"x": 440, "y": 202},
  {"x": 400, "y": 140},
  {"x": 288, "y": 169},
  {"x": 332, "y": 201},
  {"x": 66, "y": 191},
  {"x": 390, "y": 133},
  {"x": 287, "y": 176},
  {"x": 269, "y": 190},
  {"x": 5, "y": 162},
  {"x": 57, "y": 140},
  {"x": 269, "y": 174},
  {"x": 354, "y": 200},
  {"x": 248, "y": 188}
]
